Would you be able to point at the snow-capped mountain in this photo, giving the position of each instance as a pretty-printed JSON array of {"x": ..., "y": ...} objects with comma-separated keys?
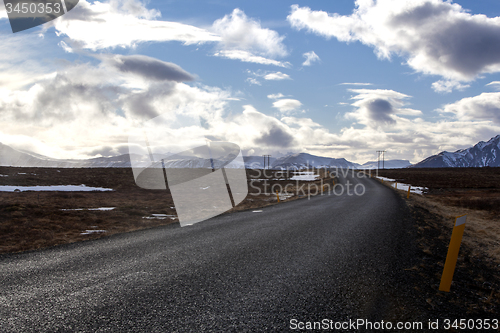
[{"x": 481, "y": 155}]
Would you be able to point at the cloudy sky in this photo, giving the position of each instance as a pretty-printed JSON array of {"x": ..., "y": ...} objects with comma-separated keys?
[{"x": 333, "y": 78}]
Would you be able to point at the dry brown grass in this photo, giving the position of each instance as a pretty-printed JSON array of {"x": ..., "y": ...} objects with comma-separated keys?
[
  {"x": 479, "y": 199},
  {"x": 482, "y": 232},
  {"x": 33, "y": 220},
  {"x": 475, "y": 291}
]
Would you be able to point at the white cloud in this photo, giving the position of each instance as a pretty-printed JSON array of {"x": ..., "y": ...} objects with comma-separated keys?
[
  {"x": 277, "y": 76},
  {"x": 102, "y": 25},
  {"x": 18, "y": 64},
  {"x": 310, "y": 58},
  {"x": 266, "y": 75},
  {"x": 301, "y": 122},
  {"x": 3, "y": 12},
  {"x": 244, "y": 39},
  {"x": 436, "y": 37},
  {"x": 287, "y": 105},
  {"x": 275, "y": 96},
  {"x": 447, "y": 86},
  {"x": 478, "y": 108},
  {"x": 65, "y": 47},
  {"x": 246, "y": 56},
  {"x": 494, "y": 84},
  {"x": 253, "y": 80},
  {"x": 355, "y": 84},
  {"x": 238, "y": 32}
]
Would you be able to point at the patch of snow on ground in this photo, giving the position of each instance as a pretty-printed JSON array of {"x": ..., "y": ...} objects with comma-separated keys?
[
  {"x": 386, "y": 179},
  {"x": 404, "y": 187},
  {"x": 160, "y": 217},
  {"x": 62, "y": 188},
  {"x": 88, "y": 232},
  {"x": 100, "y": 208},
  {"x": 284, "y": 196},
  {"x": 305, "y": 175}
]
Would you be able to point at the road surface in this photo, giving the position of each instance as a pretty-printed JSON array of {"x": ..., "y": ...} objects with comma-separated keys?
[{"x": 335, "y": 257}]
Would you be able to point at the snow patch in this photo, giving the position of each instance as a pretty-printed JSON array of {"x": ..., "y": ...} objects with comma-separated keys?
[
  {"x": 88, "y": 232},
  {"x": 100, "y": 208},
  {"x": 62, "y": 188},
  {"x": 401, "y": 186},
  {"x": 305, "y": 175},
  {"x": 160, "y": 217}
]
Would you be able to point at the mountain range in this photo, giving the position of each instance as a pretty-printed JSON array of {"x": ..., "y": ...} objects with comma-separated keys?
[
  {"x": 21, "y": 158},
  {"x": 480, "y": 155},
  {"x": 483, "y": 154}
]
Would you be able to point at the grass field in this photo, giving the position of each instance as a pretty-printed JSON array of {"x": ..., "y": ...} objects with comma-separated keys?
[{"x": 32, "y": 220}]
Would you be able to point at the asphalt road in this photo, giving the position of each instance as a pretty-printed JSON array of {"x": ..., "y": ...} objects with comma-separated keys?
[{"x": 335, "y": 257}]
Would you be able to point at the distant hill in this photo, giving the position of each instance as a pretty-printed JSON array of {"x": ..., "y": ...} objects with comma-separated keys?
[
  {"x": 480, "y": 155},
  {"x": 304, "y": 160},
  {"x": 390, "y": 164},
  {"x": 13, "y": 157}
]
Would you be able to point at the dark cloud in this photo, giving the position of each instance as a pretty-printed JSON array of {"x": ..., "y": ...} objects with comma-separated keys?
[
  {"x": 420, "y": 14},
  {"x": 150, "y": 68},
  {"x": 276, "y": 137},
  {"x": 82, "y": 12},
  {"x": 437, "y": 37},
  {"x": 380, "y": 110},
  {"x": 467, "y": 46},
  {"x": 142, "y": 103}
]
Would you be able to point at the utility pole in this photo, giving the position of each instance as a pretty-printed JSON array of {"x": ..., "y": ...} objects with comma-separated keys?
[
  {"x": 380, "y": 152},
  {"x": 268, "y": 161}
]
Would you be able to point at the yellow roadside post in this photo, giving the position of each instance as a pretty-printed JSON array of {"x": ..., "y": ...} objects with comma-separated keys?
[
  {"x": 277, "y": 196},
  {"x": 396, "y": 186},
  {"x": 452, "y": 256},
  {"x": 408, "y": 195}
]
